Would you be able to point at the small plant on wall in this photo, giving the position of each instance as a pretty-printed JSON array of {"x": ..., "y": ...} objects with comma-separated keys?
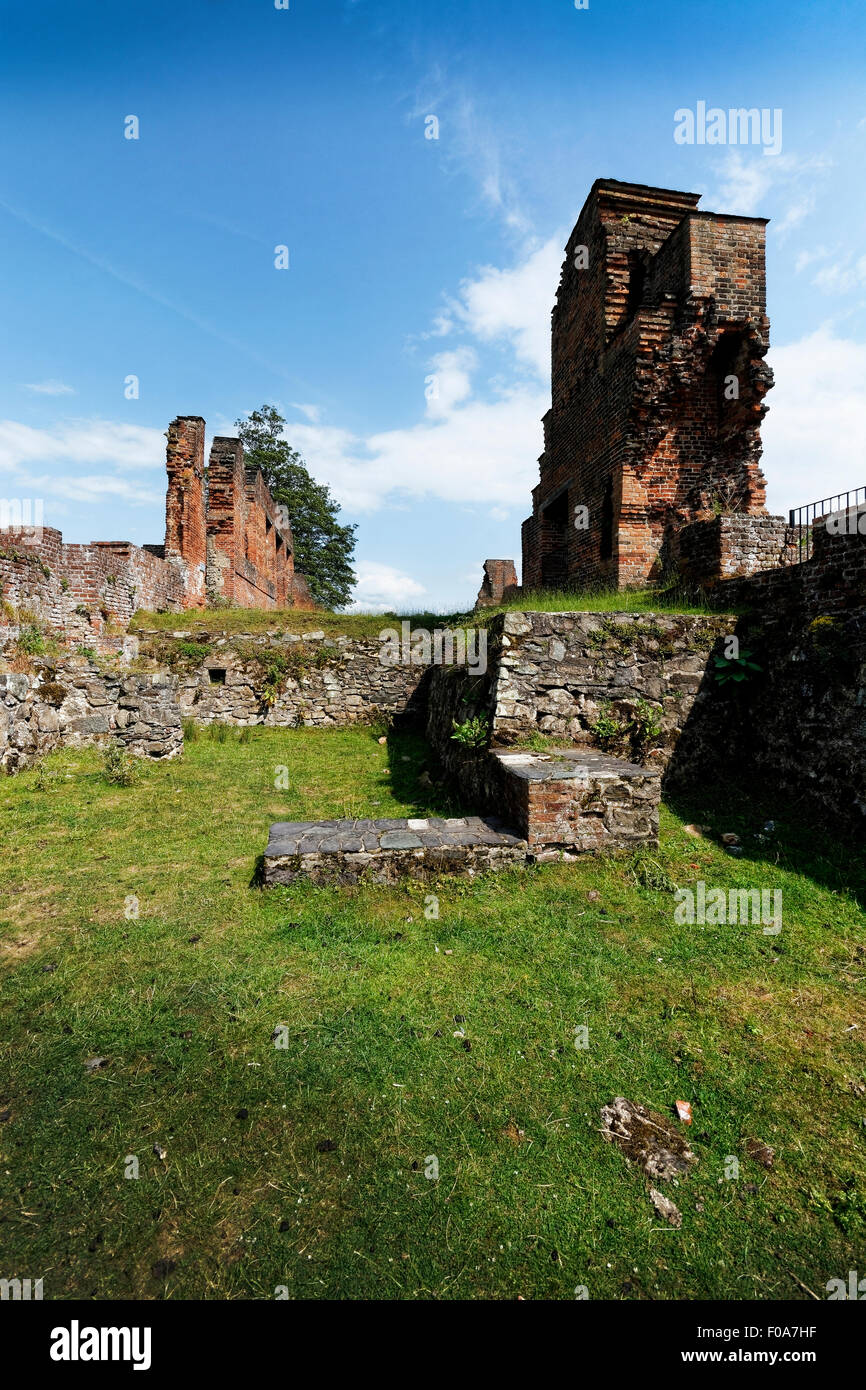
[
  {"x": 609, "y": 733},
  {"x": 735, "y": 668},
  {"x": 473, "y": 732}
]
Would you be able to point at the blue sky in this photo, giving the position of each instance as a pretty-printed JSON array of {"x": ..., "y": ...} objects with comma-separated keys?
[{"x": 409, "y": 257}]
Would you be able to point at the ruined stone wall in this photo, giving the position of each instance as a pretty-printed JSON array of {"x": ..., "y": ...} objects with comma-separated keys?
[
  {"x": 651, "y": 319},
  {"x": 326, "y": 682},
  {"x": 728, "y": 546},
  {"x": 557, "y": 674},
  {"x": 76, "y": 704},
  {"x": 796, "y": 727}
]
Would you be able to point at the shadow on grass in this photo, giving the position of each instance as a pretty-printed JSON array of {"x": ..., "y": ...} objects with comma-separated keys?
[
  {"x": 833, "y": 862},
  {"x": 411, "y": 764}
]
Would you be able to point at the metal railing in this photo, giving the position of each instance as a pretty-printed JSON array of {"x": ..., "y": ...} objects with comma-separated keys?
[{"x": 801, "y": 519}]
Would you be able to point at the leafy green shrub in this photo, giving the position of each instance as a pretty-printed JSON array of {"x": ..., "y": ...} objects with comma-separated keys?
[
  {"x": 120, "y": 768},
  {"x": 609, "y": 733},
  {"x": 43, "y": 780},
  {"x": 648, "y": 872},
  {"x": 89, "y": 652},
  {"x": 31, "y": 639},
  {"x": 735, "y": 668},
  {"x": 193, "y": 651},
  {"x": 472, "y": 733},
  {"x": 645, "y": 725}
]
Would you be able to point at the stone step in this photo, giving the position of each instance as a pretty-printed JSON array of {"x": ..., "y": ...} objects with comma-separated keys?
[
  {"x": 576, "y": 799},
  {"x": 382, "y": 851}
]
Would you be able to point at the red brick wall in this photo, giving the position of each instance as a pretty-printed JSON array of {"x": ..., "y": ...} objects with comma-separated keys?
[
  {"x": 671, "y": 303},
  {"x": 185, "y": 546},
  {"x": 250, "y": 559},
  {"x": 235, "y": 547},
  {"x": 111, "y": 579}
]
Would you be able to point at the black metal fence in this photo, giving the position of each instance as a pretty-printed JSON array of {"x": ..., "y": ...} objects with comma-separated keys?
[{"x": 801, "y": 519}]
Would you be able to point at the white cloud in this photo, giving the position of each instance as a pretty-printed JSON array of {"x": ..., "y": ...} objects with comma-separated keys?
[
  {"x": 478, "y": 451},
  {"x": 748, "y": 184},
  {"x": 514, "y": 305},
  {"x": 475, "y": 443},
  {"x": 49, "y": 388},
  {"x": 97, "y": 487},
  {"x": 842, "y": 275},
  {"x": 449, "y": 381},
  {"x": 380, "y": 587},
  {"x": 78, "y": 442},
  {"x": 815, "y": 432},
  {"x": 312, "y": 412}
]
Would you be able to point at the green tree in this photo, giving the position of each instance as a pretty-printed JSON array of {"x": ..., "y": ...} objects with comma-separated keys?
[{"x": 323, "y": 548}]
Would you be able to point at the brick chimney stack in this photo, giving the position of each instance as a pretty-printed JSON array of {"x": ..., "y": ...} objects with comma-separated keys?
[{"x": 185, "y": 536}]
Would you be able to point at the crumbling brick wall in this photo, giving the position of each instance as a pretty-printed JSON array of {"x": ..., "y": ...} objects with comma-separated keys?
[
  {"x": 250, "y": 560},
  {"x": 80, "y": 588},
  {"x": 225, "y": 538},
  {"x": 185, "y": 547},
  {"x": 658, "y": 340},
  {"x": 499, "y": 582}
]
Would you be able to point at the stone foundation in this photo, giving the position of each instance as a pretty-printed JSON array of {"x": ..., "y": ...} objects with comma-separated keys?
[
  {"x": 576, "y": 801},
  {"x": 382, "y": 851}
]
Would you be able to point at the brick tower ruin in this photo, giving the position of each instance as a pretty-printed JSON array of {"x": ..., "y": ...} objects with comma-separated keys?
[
  {"x": 658, "y": 379},
  {"x": 224, "y": 534}
]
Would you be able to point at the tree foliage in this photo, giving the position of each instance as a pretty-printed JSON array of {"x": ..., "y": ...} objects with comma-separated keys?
[{"x": 323, "y": 547}]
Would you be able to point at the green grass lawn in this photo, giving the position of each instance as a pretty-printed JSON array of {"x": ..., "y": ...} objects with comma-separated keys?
[
  {"x": 305, "y": 1166},
  {"x": 233, "y": 621}
]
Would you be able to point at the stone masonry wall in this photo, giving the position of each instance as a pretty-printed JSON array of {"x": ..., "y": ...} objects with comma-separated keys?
[
  {"x": 730, "y": 545},
  {"x": 797, "y": 726},
  {"x": 327, "y": 682},
  {"x": 557, "y": 673},
  {"x": 75, "y": 704}
]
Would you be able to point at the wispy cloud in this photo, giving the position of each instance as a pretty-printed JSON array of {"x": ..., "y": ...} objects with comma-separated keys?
[
  {"x": 80, "y": 442},
  {"x": 49, "y": 388},
  {"x": 470, "y": 142},
  {"x": 747, "y": 184}
]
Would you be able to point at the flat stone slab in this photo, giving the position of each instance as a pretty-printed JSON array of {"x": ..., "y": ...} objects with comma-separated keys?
[
  {"x": 381, "y": 851},
  {"x": 568, "y": 764}
]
